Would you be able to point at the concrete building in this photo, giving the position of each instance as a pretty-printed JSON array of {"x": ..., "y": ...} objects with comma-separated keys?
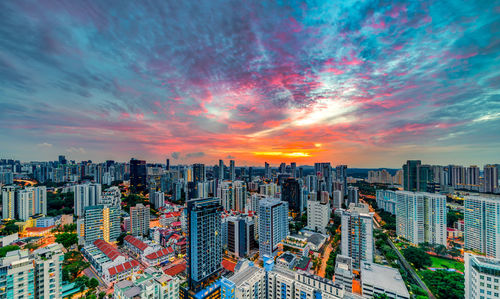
[
  {"x": 8, "y": 202},
  {"x": 139, "y": 220},
  {"x": 482, "y": 225},
  {"x": 48, "y": 271},
  {"x": 240, "y": 235},
  {"x": 86, "y": 195},
  {"x": 386, "y": 200},
  {"x": 490, "y": 178},
  {"x": 158, "y": 199},
  {"x": 482, "y": 277},
  {"x": 337, "y": 199},
  {"x": 357, "y": 234},
  {"x": 232, "y": 171},
  {"x": 99, "y": 222},
  {"x": 150, "y": 284},
  {"x": 111, "y": 197},
  {"x": 421, "y": 217},
  {"x": 344, "y": 272},
  {"x": 17, "y": 266},
  {"x": 318, "y": 215},
  {"x": 378, "y": 279},
  {"x": 352, "y": 195},
  {"x": 31, "y": 201},
  {"x": 273, "y": 225},
  {"x": 248, "y": 283}
]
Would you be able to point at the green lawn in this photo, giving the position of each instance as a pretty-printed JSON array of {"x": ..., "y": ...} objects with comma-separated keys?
[{"x": 446, "y": 263}]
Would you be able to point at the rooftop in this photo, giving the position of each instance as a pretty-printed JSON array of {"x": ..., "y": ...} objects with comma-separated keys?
[
  {"x": 384, "y": 277},
  {"x": 107, "y": 249},
  {"x": 245, "y": 274},
  {"x": 136, "y": 242}
]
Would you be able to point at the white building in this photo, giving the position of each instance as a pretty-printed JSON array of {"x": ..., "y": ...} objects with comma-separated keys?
[
  {"x": 247, "y": 283},
  {"x": 337, "y": 200},
  {"x": 482, "y": 277},
  {"x": 150, "y": 284},
  {"x": 421, "y": 217},
  {"x": 318, "y": 215},
  {"x": 86, "y": 195},
  {"x": 48, "y": 271},
  {"x": 378, "y": 279},
  {"x": 482, "y": 225},
  {"x": 158, "y": 199},
  {"x": 357, "y": 234},
  {"x": 386, "y": 200},
  {"x": 8, "y": 202},
  {"x": 17, "y": 266},
  {"x": 111, "y": 196}
]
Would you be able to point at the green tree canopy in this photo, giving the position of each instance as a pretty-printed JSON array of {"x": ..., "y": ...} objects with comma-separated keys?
[{"x": 417, "y": 256}]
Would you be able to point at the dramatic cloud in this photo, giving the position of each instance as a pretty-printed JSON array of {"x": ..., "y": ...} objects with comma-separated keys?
[{"x": 367, "y": 83}]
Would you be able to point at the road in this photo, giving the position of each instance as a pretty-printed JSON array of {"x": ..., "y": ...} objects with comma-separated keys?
[
  {"x": 326, "y": 255},
  {"x": 406, "y": 265}
]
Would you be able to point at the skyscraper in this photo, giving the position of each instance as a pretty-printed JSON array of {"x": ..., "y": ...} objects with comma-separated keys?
[
  {"x": 138, "y": 174},
  {"x": 31, "y": 201},
  {"x": 199, "y": 173},
  {"x": 9, "y": 202},
  {"x": 240, "y": 235},
  {"x": 341, "y": 172},
  {"x": 482, "y": 225},
  {"x": 267, "y": 172},
  {"x": 232, "y": 171},
  {"x": 293, "y": 168},
  {"x": 139, "y": 220},
  {"x": 410, "y": 174},
  {"x": 221, "y": 170},
  {"x": 318, "y": 214},
  {"x": 48, "y": 271},
  {"x": 357, "y": 234},
  {"x": 204, "y": 250},
  {"x": 86, "y": 195},
  {"x": 421, "y": 217},
  {"x": 273, "y": 225},
  {"x": 167, "y": 164},
  {"x": 290, "y": 192},
  {"x": 352, "y": 195}
]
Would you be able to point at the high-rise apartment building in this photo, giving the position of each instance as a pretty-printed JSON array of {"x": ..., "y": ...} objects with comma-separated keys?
[
  {"x": 139, "y": 220},
  {"x": 158, "y": 199},
  {"x": 48, "y": 271},
  {"x": 482, "y": 277},
  {"x": 341, "y": 173},
  {"x": 100, "y": 222},
  {"x": 352, "y": 195},
  {"x": 221, "y": 170},
  {"x": 273, "y": 225},
  {"x": 8, "y": 202},
  {"x": 421, "y": 217},
  {"x": 267, "y": 171},
  {"x": 293, "y": 169},
  {"x": 482, "y": 225},
  {"x": 240, "y": 235},
  {"x": 204, "y": 250},
  {"x": 490, "y": 178},
  {"x": 357, "y": 234},
  {"x": 318, "y": 214},
  {"x": 138, "y": 174},
  {"x": 17, "y": 275},
  {"x": 472, "y": 175},
  {"x": 31, "y": 201},
  {"x": 410, "y": 174},
  {"x": 199, "y": 173},
  {"x": 232, "y": 171},
  {"x": 290, "y": 192},
  {"x": 248, "y": 283},
  {"x": 86, "y": 195}
]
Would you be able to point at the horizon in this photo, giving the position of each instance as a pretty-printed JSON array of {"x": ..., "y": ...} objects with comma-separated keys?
[{"x": 361, "y": 84}]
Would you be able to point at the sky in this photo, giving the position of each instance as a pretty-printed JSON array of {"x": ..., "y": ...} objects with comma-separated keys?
[{"x": 362, "y": 83}]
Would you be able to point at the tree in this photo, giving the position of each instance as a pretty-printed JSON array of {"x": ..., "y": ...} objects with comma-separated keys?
[
  {"x": 444, "y": 284},
  {"x": 67, "y": 239},
  {"x": 81, "y": 282},
  {"x": 417, "y": 256},
  {"x": 93, "y": 283},
  {"x": 101, "y": 295},
  {"x": 452, "y": 217},
  {"x": 5, "y": 249},
  {"x": 9, "y": 228}
]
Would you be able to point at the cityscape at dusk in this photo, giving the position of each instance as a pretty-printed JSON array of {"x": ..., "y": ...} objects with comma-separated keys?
[
  {"x": 364, "y": 83},
  {"x": 235, "y": 149}
]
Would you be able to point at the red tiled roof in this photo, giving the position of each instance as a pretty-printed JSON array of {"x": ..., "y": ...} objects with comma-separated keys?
[
  {"x": 228, "y": 265},
  {"x": 160, "y": 253},
  {"x": 172, "y": 214},
  {"x": 107, "y": 249},
  {"x": 136, "y": 242},
  {"x": 177, "y": 223},
  {"x": 172, "y": 271},
  {"x": 123, "y": 267}
]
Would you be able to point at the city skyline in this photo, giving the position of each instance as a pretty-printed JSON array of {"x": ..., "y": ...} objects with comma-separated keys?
[{"x": 363, "y": 84}]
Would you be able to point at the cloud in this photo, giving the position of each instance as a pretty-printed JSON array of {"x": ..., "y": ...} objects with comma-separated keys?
[
  {"x": 195, "y": 155},
  {"x": 76, "y": 150},
  {"x": 176, "y": 155},
  {"x": 44, "y": 145}
]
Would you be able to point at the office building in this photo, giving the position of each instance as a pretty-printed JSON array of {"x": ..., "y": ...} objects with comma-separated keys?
[
  {"x": 386, "y": 200},
  {"x": 337, "y": 199},
  {"x": 17, "y": 275},
  {"x": 199, "y": 173},
  {"x": 247, "y": 283},
  {"x": 293, "y": 169},
  {"x": 232, "y": 171},
  {"x": 482, "y": 277},
  {"x": 341, "y": 172},
  {"x": 221, "y": 170},
  {"x": 99, "y": 222},
  {"x": 352, "y": 195},
  {"x": 204, "y": 250},
  {"x": 267, "y": 171},
  {"x": 138, "y": 174},
  {"x": 421, "y": 217},
  {"x": 290, "y": 192},
  {"x": 273, "y": 225},
  {"x": 482, "y": 225},
  {"x": 139, "y": 220},
  {"x": 6, "y": 178},
  {"x": 240, "y": 235},
  {"x": 410, "y": 174},
  {"x": 318, "y": 214},
  {"x": 48, "y": 271},
  {"x": 86, "y": 195},
  {"x": 379, "y": 280},
  {"x": 8, "y": 202},
  {"x": 357, "y": 234}
]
